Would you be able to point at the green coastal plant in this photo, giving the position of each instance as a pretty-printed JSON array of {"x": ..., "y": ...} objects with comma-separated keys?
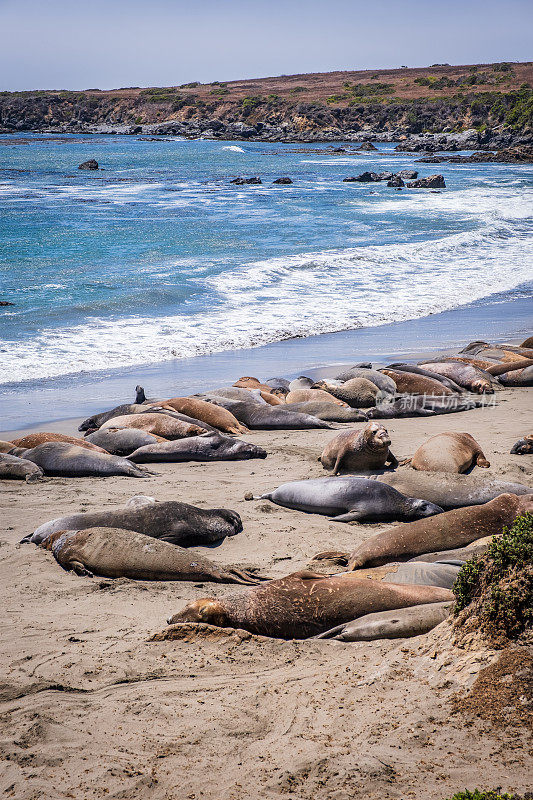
[{"x": 490, "y": 794}]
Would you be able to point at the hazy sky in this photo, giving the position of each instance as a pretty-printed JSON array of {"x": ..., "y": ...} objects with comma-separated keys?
[{"x": 77, "y": 44}]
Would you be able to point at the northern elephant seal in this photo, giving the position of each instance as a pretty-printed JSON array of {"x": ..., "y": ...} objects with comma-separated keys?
[
  {"x": 122, "y": 441},
  {"x": 420, "y": 573},
  {"x": 363, "y": 450},
  {"x": 348, "y": 499},
  {"x": 401, "y": 367},
  {"x": 119, "y": 553},
  {"x": 383, "y": 382},
  {"x": 170, "y": 521},
  {"x": 264, "y": 417},
  {"x": 411, "y": 383},
  {"x": 450, "y": 490},
  {"x": 461, "y": 554},
  {"x": 423, "y": 406},
  {"x": 518, "y": 377},
  {"x": 523, "y": 446},
  {"x": 33, "y": 439},
  {"x": 71, "y": 461},
  {"x": 528, "y": 343},
  {"x": 449, "y": 452},
  {"x": 19, "y": 468},
  {"x": 465, "y": 375},
  {"x": 401, "y": 623},
  {"x": 313, "y": 395},
  {"x": 278, "y": 383},
  {"x": 159, "y": 424},
  {"x": 218, "y": 417},
  {"x": 447, "y": 531},
  {"x": 304, "y": 604},
  {"x": 94, "y": 422},
  {"x": 330, "y": 412},
  {"x": 207, "y": 447},
  {"x": 302, "y": 382},
  {"x": 252, "y": 383},
  {"x": 357, "y": 392}
]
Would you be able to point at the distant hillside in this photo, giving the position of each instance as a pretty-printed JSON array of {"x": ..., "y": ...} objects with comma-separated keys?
[{"x": 327, "y": 106}]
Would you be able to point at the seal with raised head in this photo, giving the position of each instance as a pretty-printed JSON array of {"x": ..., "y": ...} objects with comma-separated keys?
[
  {"x": 349, "y": 499},
  {"x": 33, "y": 439},
  {"x": 330, "y": 412},
  {"x": 170, "y": 521},
  {"x": 122, "y": 441},
  {"x": 465, "y": 375},
  {"x": 19, "y": 468},
  {"x": 523, "y": 446},
  {"x": 357, "y": 392},
  {"x": 362, "y": 451},
  {"x": 412, "y": 383},
  {"x": 451, "y": 530},
  {"x": 449, "y": 452},
  {"x": 207, "y": 447},
  {"x": 70, "y": 461},
  {"x": 159, "y": 424},
  {"x": 305, "y": 604},
  {"x": 119, "y": 553},
  {"x": 313, "y": 395},
  {"x": 451, "y": 490},
  {"x": 401, "y": 623},
  {"x": 264, "y": 417}
]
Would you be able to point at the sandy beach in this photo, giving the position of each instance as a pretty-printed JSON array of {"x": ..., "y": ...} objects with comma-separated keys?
[{"x": 92, "y": 708}]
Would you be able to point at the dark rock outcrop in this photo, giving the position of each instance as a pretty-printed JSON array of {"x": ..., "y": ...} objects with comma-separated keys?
[
  {"x": 407, "y": 174},
  {"x": 90, "y": 164},
  {"x": 282, "y": 181},
  {"x": 367, "y": 146},
  {"x": 243, "y": 181},
  {"x": 431, "y": 182},
  {"x": 395, "y": 182}
]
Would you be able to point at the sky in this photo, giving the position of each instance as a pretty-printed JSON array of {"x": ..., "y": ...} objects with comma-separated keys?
[{"x": 83, "y": 44}]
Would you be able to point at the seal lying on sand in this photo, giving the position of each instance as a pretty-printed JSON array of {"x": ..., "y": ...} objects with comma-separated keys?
[
  {"x": 348, "y": 499},
  {"x": 33, "y": 439},
  {"x": 359, "y": 450},
  {"x": 453, "y": 529},
  {"x": 411, "y": 383},
  {"x": 71, "y": 461},
  {"x": 357, "y": 392},
  {"x": 122, "y": 441},
  {"x": 385, "y": 384},
  {"x": 118, "y": 553},
  {"x": 450, "y": 490},
  {"x": 207, "y": 447},
  {"x": 159, "y": 424},
  {"x": 16, "y": 467},
  {"x": 477, "y": 548},
  {"x": 170, "y": 521},
  {"x": 466, "y": 375},
  {"x": 449, "y": 452},
  {"x": 398, "y": 624},
  {"x": 419, "y": 573},
  {"x": 312, "y": 396},
  {"x": 523, "y": 446},
  {"x": 401, "y": 367},
  {"x": 328, "y": 411},
  {"x": 422, "y": 406},
  {"x": 94, "y": 422},
  {"x": 304, "y": 604},
  {"x": 264, "y": 417},
  {"x": 193, "y": 407}
]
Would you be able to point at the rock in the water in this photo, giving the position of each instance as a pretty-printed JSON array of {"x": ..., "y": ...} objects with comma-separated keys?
[
  {"x": 282, "y": 181},
  {"x": 365, "y": 177},
  {"x": 395, "y": 182},
  {"x": 367, "y": 146},
  {"x": 92, "y": 163},
  {"x": 431, "y": 182},
  {"x": 242, "y": 181},
  {"x": 6, "y": 303},
  {"x": 407, "y": 174}
]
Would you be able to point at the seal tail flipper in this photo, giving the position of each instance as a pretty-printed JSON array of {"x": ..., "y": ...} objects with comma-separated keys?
[
  {"x": 233, "y": 575},
  {"x": 350, "y": 516},
  {"x": 404, "y": 462},
  {"x": 481, "y": 461},
  {"x": 333, "y": 633},
  {"x": 79, "y": 569},
  {"x": 392, "y": 461},
  {"x": 332, "y": 555}
]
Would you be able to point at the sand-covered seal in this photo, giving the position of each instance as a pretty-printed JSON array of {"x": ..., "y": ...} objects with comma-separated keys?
[
  {"x": 331, "y": 412},
  {"x": 449, "y": 452},
  {"x": 194, "y": 407},
  {"x": 421, "y": 573},
  {"x": 207, "y": 447},
  {"x": 401, "y": 623},
  {"x": 362, "y": 451},
  {"x": 122, "y": 441},
  {"x": 357, "y": 392},
  {"x": 412, "y": 383},
  {"x": 71, "y": 461},
  {"x": 465, "y": 375},
  {"x": 119, "y": 553},
  {"x": 451, "y": 530},
  {"x": 313, "y": 395},
  {"x": 348, "y": 499},
  {"x": 265, "y": 417},
  {"x": 305, "y": 604},
  {"x": 159, "y": 424},
  {"x": 169, "y": 521},
  {"x": 451, "y": 490},
  {"x": 33, "y": 439},
  {"x": 523, "y": 446},
  {"x": 19, "y": 468},
  {"x": 385, "y": 384}
]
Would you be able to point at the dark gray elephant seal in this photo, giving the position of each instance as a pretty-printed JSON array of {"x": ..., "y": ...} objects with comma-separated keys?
[
  {"x": 423, "y": 406},
  {"x": 330, "y": 412},
  {"x": 477, "y": 548},
  {"x": 15, "y": 467},
  {"x": 401, "y": 623},
  {"x": 98, "y": 419},
  {"x": 170, "y": 521},
  {"x": 267, "y": 417},
  {"x": 383, "y": 382},
  {"x": 401, "y": 367},
  {"x": 523, "y": 446},
  {"x": 421, "y": 573},
  {"x": 450, "y": 490},
  {"x": 348, "y": 499},
  {"x": 71, "y": 461},
  {"x": 466, "y": 375},
  {"x": 362, "y": 451},
  {"x": 302, "y": 382},
  {"x": 207, "y": 447},
  {"x": 122, "y": 441},
  {"x": 413, "y": 383},
  {"x": 278, "y": 383},
  {"x": 119, "y": 553}
]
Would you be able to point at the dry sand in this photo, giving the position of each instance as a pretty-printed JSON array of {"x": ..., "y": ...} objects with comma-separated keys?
[{"x": 91, "y": 708}]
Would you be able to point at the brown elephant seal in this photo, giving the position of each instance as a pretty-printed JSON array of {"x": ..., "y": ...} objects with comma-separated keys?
[
  {"x": 264, "y": 417},
  {"x": 119, "y": 553},
  {"x": 518, "y": 377},
  {"x": 122, "y": 441},
  {"x": 20, "y": 468},
  {"x": 313, "y": 395},
  {"x": 6, "y": 447},
  {"x": 362, "y": 451},
  {"x": 357, "y": 392},
  {"x": 461, "y": 554},
  {"x": 331, "y": 412},
  {"x": 70, "y": 461},
  {"x": 252, "y": 383},
  {"x": 402, "y": 623},
  {"x": 451, "y": 490},
  {"x": 33, "y": 439},
  {"x": 349, "y": 499},
  {"x": 217, "y": 417},
  {"x": 159, "y": 424},
  {"x": 419, "y": 573},
  {"x": 528, "y": 343},
  {"x": 449, "y": 452},
  {"x": 447, "y": 531},
  {"x": 207, "y": 447},
  {"x": 305, "y": 604},
  {"x": 411, "y": 383},
  {"x": 401, "y": 367},
  {"x": 170, "y": 521},
  {"x": 523, "y": 446},
  {"x": 383, "y": 382},
  {"x": 465, "y": 375}
]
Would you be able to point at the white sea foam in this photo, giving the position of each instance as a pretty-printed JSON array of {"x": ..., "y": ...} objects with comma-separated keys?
[{"x": 233, "y": 148}]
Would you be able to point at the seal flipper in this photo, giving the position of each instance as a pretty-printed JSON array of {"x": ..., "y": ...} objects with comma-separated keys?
[
  {"x": 481, "y": 461},
  {"x": 392, "y": 461},
  {"x": 332, "y": 555},
  {"x": 333, "y": 633},
  {"x": 78, "y": 568},
  {"x": 350, "y": 516}
]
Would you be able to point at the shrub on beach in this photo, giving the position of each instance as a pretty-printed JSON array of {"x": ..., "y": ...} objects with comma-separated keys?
[{"x": 490, "y": 794}]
